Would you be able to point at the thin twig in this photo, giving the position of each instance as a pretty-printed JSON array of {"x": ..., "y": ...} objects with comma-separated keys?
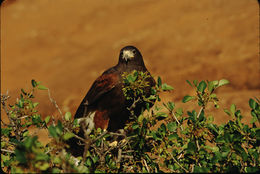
[
  {"x": 54, "y": 103},
  {"x": 180, "y": 156},
  {"x": 53, "y": 120},
  {"x": 76, "y": 136},
  {"x": 22, "y": 117},
  {"x": 177, "y": 120},
  {"x": 134, "y": 103},
  {"x": 198, "y": 146},
  {"x": 119, "y": 155},
  {"x": 127, "y": 156},
  {"x": 5, "y": 97},
  {"x": 178, "y": 163},
  {"x": 146, "y": 166},
  {"x": 100, "y": 136},
  {"x": 51, "y": 149},
  {"x": 5, "y": 150},
  {"x": 199, "y": 112},
  {"x": 192, "y": 168},
  {"x": 128, "y": 151}
]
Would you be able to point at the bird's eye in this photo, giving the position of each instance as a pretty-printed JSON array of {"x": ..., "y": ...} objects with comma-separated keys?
[{"x": 134, "y": 51}]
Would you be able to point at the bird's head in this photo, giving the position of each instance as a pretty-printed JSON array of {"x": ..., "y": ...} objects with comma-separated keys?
[{"x": 130, "y": 55}]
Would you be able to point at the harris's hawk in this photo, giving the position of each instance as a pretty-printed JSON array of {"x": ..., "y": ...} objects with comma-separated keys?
[{"x": 105, "y": 105}]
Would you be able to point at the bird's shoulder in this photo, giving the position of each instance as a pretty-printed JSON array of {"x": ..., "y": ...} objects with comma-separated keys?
[{"x": 103, "y": 84}]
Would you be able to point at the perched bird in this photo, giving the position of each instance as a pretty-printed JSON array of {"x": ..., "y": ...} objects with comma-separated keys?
[{"x": 105, "y": 105}]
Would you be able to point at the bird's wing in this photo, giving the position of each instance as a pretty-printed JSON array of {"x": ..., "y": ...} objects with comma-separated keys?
[{"x": 102, "y": 85}]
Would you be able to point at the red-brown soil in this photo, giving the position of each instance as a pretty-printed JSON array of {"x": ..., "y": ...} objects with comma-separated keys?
[{"x": 67, "y": 44}]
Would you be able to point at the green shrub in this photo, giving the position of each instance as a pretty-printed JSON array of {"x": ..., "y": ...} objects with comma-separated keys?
[{"x": 162, "y": 139}]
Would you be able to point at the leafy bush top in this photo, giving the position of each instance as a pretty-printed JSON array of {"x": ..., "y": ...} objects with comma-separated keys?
[{"x": 154, "y": 141}]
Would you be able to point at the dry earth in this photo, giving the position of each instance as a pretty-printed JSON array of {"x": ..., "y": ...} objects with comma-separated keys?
[{"x": 67, "y": 44}]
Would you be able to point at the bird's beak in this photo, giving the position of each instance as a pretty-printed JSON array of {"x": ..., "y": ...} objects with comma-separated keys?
[{"x": 127, "y": 55}]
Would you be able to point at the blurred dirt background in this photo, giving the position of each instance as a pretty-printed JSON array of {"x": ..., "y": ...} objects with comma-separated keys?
[{"x": 67, "y": 44}]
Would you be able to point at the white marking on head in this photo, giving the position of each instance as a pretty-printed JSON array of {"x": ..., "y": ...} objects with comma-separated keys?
[{"x": 128, "y": 54}]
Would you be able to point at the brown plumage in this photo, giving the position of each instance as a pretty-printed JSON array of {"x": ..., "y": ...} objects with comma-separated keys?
[{"x": 105, "y": 105}]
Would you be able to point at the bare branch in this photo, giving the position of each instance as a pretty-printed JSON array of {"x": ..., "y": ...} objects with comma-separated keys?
[
  {"x": 119, "y": 155},
  {"x": 5, "y": 150},
  {"x": 100, "y": 136},
  {"x": 5, "y": 97},
  {"x": 179, "y": 163},
  {"x": 199, "y": 112},
  {"x": 54, "y": 103},
  {"x": 76, "y": 136},
  {"x": 146, "y": 166},
  {"x": 134, "y": 104},
  {"x": 177, "y": 120},
  {"x": 22, "y": 117}
]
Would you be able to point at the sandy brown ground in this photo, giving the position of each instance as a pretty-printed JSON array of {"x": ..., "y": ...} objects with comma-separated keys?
[{"x": 67, "y": 44}]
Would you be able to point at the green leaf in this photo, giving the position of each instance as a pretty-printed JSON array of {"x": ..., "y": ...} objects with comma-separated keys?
[
  {"x": 26, "y": 133},
  {"x": 215, "y": 149},
  {"x": 20, "y": 156},
  {"x": 170, "y": 106},
  {"x": 20, "y": 103},
  {"x": 47, "y": 119},
  {"x": 41, "y": 87},
  {"x": 195, "y": 82},
  {"x": 189, "y": 82},
  {"x": 254, "y": 119},
  {"x": 29, "y": 141},
  {"x": 163, "y": 128},
  {"x": 135, "y": 126},
  {"x": 179, "y": 111},
  {"x": 56, "y": 170},
  {"x": 161, "y": 114},
  {"x": 67, "y": 116},
  {"x": 44, "y": 166},
  {"x": 59, "y": 127},
  {"x": 42, "y": 157},
  {"x": 131, "y": 78},
  {"x": 191, "y": 147},
  {"x": 140, "y": 118},
  {"x": 88, "y": 162},
  {"x": 68, "y": 135},
  {"x": 213, "y": 128},
  {"x": 202, "y": 116},
  {"x": 172, "y": 136},
  {"x": 172, "y": 126},
  {"x": 198, "y": 169},
  {"x": 227, "y": 111},
  {"x": 233, "y": 109},
  {"x": 211, "y": 86},
  {"x": 166, "y": 87},
  {"x": 34, "y": 83},
  {"x": 252, "y": 103},
  {"x": 187, "y": 98},
  {"x": 213, "y": 96},
  {"x": 5, "y": 131},
  {"x": 136, "y": 73},
  {"x": 223, "y": 82},
  {"x": 23, "y": 91},
  {"x": 159, "y": 81},
  {"x": 52, "y": 131},
  {"x": 202, "y": 86},
  {"x": 35, "y": 104},
  {"x": 251, "y": 169},
  {"x": 210, "y": 119}
]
